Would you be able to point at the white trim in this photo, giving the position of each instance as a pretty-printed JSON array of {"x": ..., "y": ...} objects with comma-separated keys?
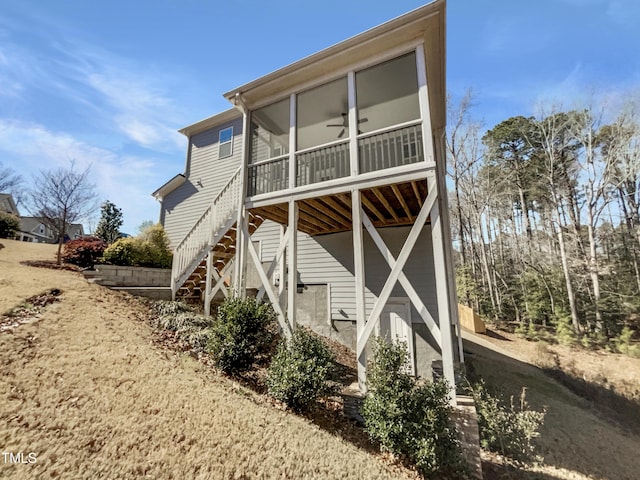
[
  {"x": 269, "y": 160},
  {"x": 398, "y": 126},
  {"x": 324, "y": 145},
  {"x": 406, "y": 303},
  {"x": 371, "y": 61},
  {"x": 402, "y": 173}
]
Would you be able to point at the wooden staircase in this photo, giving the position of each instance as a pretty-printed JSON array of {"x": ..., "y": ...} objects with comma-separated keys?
[
  {"x": 223, "y": 252},
  {"x": 215, "y": 231}
]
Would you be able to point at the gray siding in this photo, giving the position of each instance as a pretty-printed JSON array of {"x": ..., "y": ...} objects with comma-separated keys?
[
  {"x": 327, "y": 259},
  {"x": 206, "y": 175}
]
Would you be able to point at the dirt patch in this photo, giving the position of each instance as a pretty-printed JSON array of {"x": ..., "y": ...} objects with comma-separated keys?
[{"x": 28, "y": 311}]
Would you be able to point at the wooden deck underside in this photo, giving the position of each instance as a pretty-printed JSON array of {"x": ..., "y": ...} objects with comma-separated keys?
[{"x": 386, "y": 206}]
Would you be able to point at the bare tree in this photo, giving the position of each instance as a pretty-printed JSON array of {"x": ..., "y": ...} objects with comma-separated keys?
[
  {"x": 61, "y": 197},
  {"x": 11, "y": 182}
]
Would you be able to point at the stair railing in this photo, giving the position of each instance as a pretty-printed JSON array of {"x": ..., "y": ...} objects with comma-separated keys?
[{"x": 199, "y": 240}]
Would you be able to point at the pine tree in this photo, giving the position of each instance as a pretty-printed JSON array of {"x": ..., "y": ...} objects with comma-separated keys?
[{"x": 108, "y": 228}]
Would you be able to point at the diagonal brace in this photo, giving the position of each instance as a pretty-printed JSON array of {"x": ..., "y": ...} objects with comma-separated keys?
[{"x": 397, "y": 268}]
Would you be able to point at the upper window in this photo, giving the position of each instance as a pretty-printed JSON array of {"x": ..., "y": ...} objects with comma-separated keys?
[
  {"x": 387, "y": 94},
  {"x": 225, "y": 142},
  {"x": 270, "y": 131},
  {"x": 323, "y": 114}
]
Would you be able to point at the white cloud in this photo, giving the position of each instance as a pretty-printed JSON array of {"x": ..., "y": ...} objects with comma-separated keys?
[{"x": 125, "y": 180}]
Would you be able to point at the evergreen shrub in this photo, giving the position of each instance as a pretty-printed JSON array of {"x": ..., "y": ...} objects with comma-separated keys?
[
  {"x": 9, "y": 225},
  {"x": 243, "y": 330},
  {"x": 300, "y": 370},
  {"x": 410, "y": 418}
]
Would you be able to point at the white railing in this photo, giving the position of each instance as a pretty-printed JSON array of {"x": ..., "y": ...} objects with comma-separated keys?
[
  {"x": 390, "y": 148},
  {"x": 194, "y": 246},
  {"x": 323, "y": 163}
]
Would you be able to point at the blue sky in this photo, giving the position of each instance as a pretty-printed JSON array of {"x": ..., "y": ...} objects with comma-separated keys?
[{"x": 108, "y": 84}]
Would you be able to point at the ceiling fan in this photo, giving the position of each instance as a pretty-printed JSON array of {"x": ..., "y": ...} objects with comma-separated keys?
[{"x": 345, "y": 124}]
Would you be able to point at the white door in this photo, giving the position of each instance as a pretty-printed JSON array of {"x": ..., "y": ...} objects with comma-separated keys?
[{"x": 395, "y": 324}]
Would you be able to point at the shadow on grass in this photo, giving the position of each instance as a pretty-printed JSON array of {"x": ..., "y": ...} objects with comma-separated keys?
[
  {"x": 606, "y": 402},
  {"x": 572, "y": 405}
]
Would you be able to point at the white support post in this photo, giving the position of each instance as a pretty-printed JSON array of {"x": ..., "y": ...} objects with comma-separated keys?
[
  {"x": 207, "y": 288},
  {"x": 423, "y": 100},
  {"x": 281, "y": 267},
  {"x": 292, "y": 140},
  {"x": 292, "y": 268},
  {"x": 353, "y": 124},
  {"x": 442, "y": 293},
  {"x": 240, "y": 240},
  {"x": 358, "y": 265}
]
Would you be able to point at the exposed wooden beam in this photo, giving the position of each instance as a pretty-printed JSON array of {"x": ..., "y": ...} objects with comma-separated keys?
[
  {"x": 337, "y": 207},
  {"x": 307, "y": 207},
  {"x": 376, "y": 191},
  {"x": 416, "y": 192},
  {"x": 373, "y": 209},
  {"x": 320, "y": 207},
  {"x": 405, "y": 207}
]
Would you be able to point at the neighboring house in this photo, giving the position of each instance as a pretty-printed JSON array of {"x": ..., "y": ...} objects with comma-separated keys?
[
  {"x": 346, "y": 149},
  {"x": 34, "y": 229},
  {"x": 8, "y": 205}
]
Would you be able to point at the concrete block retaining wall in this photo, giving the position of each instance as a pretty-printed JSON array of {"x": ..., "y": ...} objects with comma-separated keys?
[{"x": 117, "y": 276}]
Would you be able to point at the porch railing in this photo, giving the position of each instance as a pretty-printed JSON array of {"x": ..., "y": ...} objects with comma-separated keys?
[
  {"x": 322, "y": 164},
  {"x": 392, "y": 148},
  {"x": 268, "y": 176},
  {"x": 220, "y": 214}
]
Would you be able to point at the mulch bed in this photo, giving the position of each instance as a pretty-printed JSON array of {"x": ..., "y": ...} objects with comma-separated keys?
[{"x": 51, "y": 264}]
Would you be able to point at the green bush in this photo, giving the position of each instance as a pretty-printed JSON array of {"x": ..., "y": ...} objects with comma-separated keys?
[
  {"x": 9, "y": 225},
  {"x": 83, "y": 252},
  {"x": 300, "y": 370},
  {"x": 624, "y": 343},
  {"x": 507, "y": 430},
  {"x": 149, "y": 249},
  {"x": 408, "y": 418},
  {"x": 243, "y": 330},
  {"x": 122, "y": 252}
]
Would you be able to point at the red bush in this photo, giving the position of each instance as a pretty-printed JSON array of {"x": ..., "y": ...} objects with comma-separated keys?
[{"x": 83, "y": 252}]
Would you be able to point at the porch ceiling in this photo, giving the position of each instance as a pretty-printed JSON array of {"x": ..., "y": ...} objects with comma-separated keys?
[{"x": 386, "y": 206}]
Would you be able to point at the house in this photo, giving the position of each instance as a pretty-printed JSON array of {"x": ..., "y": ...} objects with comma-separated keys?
[
  {"x": 8, "y": 205},
  {"x": 34, "y": 229},
  {"x": 324, "y": 189}
]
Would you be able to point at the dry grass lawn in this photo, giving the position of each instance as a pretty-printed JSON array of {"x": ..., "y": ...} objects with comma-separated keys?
[
  {"x": 84, "y": 388},
  {"x": 88, "y": 391}
]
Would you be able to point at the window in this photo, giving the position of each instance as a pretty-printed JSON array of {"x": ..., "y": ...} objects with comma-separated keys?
[
  {"x": 270, "y": 131},
  {"x": 387, "y": 94},
  {"x": 225, "y": 142},
  {"x": 323, "y": 114}
]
